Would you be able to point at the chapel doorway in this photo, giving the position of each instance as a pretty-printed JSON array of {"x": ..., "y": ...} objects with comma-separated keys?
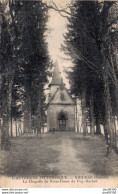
[{"x": 62, "y": 122}]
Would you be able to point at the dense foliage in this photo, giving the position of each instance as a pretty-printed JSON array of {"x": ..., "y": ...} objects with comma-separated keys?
[
  {"x": 24, "y": 63},
  {"x": 91, "y": 41}
]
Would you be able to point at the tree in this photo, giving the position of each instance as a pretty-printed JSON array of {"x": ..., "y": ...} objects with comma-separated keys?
[
  {"x": 35, "y": 57},
  {"x": 30, "y": 19},
  {"x": 24, "y": 61},
  {"x": 6, "y": 71},
  {"x": 91, "y": 31}
]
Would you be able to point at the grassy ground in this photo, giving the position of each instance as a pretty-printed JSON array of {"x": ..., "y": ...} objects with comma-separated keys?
[{"x": 65, "y": 153}]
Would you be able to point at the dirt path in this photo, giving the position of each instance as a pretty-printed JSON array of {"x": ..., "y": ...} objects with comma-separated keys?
[
  {"x": 65, "y": 154},
  {"x": 68, "y": 163}
]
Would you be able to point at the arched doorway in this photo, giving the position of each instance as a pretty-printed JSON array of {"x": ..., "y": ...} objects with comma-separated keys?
[{"x": 62, "y": 122}]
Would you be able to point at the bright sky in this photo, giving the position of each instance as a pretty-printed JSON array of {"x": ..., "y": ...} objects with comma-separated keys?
[{"x": 56, "y": 30}]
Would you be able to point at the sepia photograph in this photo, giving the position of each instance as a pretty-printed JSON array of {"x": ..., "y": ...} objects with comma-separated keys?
[{"x": 58, "y": 93}]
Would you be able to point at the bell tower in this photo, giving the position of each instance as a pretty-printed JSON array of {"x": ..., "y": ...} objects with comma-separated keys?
[
  {"x": 61, "y": 106},
  {"x": 56, "y": 80}
]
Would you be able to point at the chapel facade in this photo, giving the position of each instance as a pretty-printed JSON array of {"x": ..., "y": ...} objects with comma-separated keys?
[{"x": 61, "y": 106}]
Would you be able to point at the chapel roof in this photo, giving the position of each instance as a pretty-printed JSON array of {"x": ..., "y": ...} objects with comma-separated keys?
[{"x": 56, "y": 78}]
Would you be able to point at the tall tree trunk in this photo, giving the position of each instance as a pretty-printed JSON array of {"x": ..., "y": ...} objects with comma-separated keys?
[
  {"x": 77, "y": 114},
  {"x": 108, "y": 108},
  {"x": 105, "y": 130},
  {"x": 115, "y": 82},
  {"x": 39, "y": 117},
  {"x": 9, "y": 106},
  {"x": 27, "y": 115},
  {"x": 83, "y": 103},
  {"x": 0, "y": 132},
  {"x": 6, "y": 111},
  {"x": 98, "y": 129},
  {"x": 11, "y": 128},
  {"x": 114, "y": 133},
  {"x": 92, "y": 122},
  {"x": 16, "y": 128}
]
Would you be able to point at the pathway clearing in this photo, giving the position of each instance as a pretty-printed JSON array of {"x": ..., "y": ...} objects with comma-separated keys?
[
  {"x": 60, "y": 153},
  {"x": 69, "y": 164}
]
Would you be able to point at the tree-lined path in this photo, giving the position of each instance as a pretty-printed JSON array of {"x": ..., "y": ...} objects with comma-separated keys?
[
  {"x": 29, "y": 44},
  {"x": 58, "y": 154}
]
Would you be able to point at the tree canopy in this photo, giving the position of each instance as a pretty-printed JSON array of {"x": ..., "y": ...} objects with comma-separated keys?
[
  {"x": 24, "y": 62},
  {"x": 91, "y": 41}
]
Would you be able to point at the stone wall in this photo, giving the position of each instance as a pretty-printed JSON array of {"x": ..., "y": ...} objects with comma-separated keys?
[{"x": 53, "y": 112}]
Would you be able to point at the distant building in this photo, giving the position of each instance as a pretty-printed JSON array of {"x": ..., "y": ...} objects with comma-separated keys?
[{"x": 61, "y": 107}]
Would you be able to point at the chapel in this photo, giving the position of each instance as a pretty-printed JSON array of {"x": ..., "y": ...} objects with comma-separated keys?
[{"x": 61, "y": 105}]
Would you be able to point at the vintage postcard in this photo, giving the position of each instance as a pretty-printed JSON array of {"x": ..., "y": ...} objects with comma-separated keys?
[{"x": 58, "y": 94}]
